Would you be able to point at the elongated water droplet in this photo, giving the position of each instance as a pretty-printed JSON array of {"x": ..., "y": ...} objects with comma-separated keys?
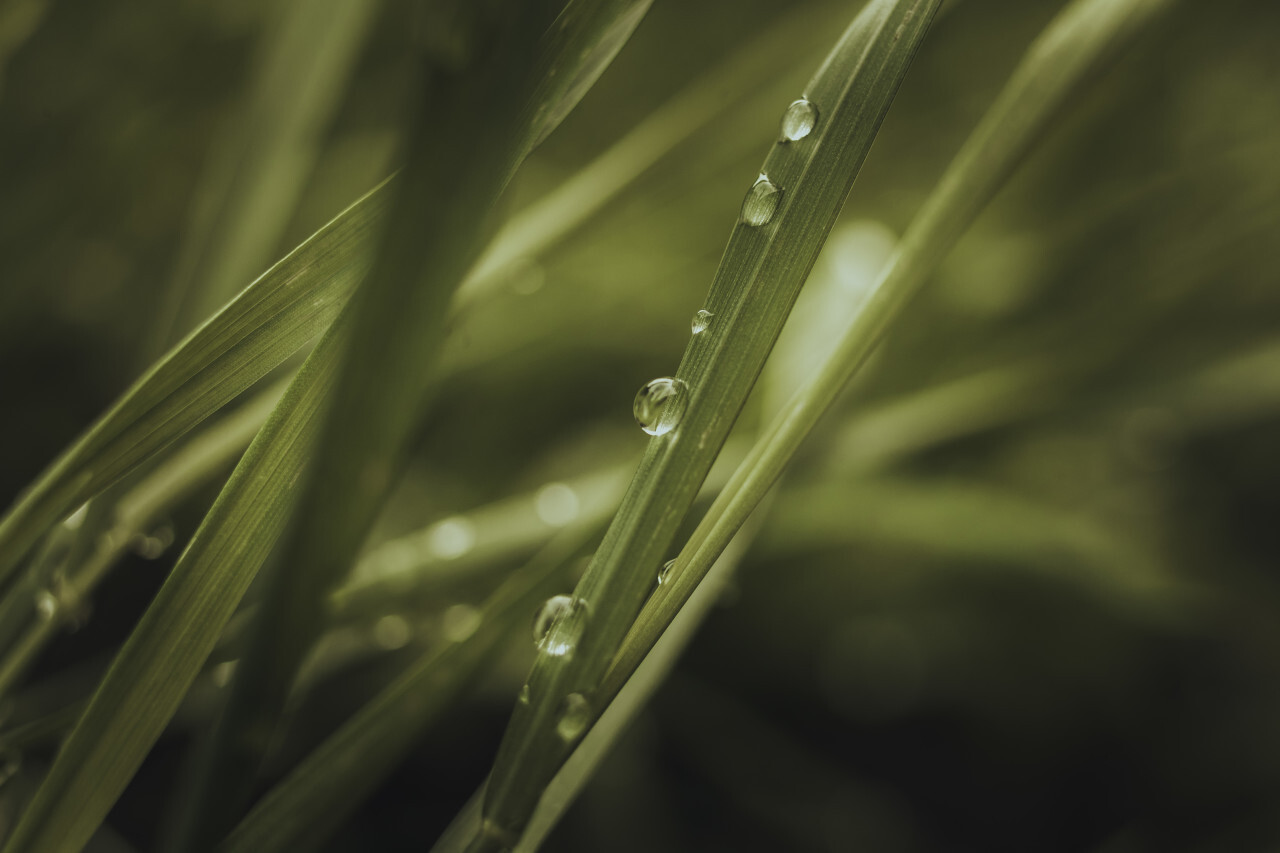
[
  {"x": 701, "y": 320},
  {"x": 574, "y": 717},
  {"x": 664, "y": 574},
  {"x": 798, "y": 120},
  {"x": 659, "y": 405},
  {"x": 523, "y": 697},
  {"x": 548, "y": 614},
  {"x": 761, "y": 201}
]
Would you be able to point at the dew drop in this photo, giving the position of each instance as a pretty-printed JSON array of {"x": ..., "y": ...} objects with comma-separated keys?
[
  {"x": 558, "y": 625},
  {"x": 761, "y": 201},
  {"x": 659, "y": 405},
  {"x": 664, "y": 574},
  {"x": 798, "y": 120},
  {"x": 701, "y": 320},
  {"x": 574, "y": 716}
]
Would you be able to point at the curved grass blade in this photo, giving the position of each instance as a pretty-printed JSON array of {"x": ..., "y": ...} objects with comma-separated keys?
[
  {"x": 1074, "y": 46},
  {"x": 164, "y": 653},
  {"x": 783, "y": 223},
  {"x": 447, "y": 191},
  {"x": 300, "y": 811},
  {"x": 270, "y": 320},
  {"x": 258, "y": 168}
]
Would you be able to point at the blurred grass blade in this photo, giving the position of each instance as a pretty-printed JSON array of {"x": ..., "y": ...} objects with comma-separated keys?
[
  {"x": 258, "y": 168},
  {"x": 164, "y": 653},
  {"x": 300, "y": 812},
  {"x": 782, "y": 226},
  {"x": 445, "y": 195},
  {"x": 275, "y": 316},
  {"x": 1071, "y": 49}
]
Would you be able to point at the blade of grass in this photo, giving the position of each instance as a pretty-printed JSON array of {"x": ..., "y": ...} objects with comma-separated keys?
[
  {"x": 257, "y": 170},
  {"x": 275, "y": 316},
  {"x": 164, "y": 653},
  {"x": 770, "y": 252},
  {"x": 1074, "y": 46},
  {"x": 447, "y": 190},
  {"x": 139, "y": 509},
  {"x": 301, "y": 810}
]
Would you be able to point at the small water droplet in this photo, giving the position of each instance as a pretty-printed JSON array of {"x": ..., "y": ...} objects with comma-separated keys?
[
  {"x": 459, "y": 622},
  {"x": 664, "y": 574},
  {"x": 558, "y": 625},
  {"x": 451, "y": 538},
  {"x": 523, "y": 698},
  {"x": 392, "y": 632},
  {"x": 556, "y": 504},
  {"x": 798, "y": 120},
  {"x": 761, "y": 201},
  {"x": 701, "y": 320},
  {"x": 574, "y": 716},
  {"x": 46, "y": 605},
  {"x": 659, "y": 405}
]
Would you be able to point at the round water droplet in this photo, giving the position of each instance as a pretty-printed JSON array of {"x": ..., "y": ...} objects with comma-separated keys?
[
  {"x": 548, "y": 614},
  {"x": 659, "y": 405},
  {"x": 701, "y": 320},
  {"x": 798, "y": 120},
  {"x": 574, "y": 716},
  {"x": 664, "y": 574}
]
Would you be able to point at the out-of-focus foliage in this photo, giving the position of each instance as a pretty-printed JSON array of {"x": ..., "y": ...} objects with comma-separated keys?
[{"x": 1018, "y": 592}]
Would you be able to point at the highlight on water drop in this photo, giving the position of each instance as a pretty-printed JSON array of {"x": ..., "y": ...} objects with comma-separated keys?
[
  {"x": 664, "y": 574},
  {"x": 660, "y": 404},
  {"x": 701, "y": 320},
  {"x": 799, "y": 119},
  {"x": 761, "y": 201}
]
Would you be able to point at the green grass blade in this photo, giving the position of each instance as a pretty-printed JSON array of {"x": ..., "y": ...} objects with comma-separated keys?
[
  {"x": 1074, "y": 46},
  {"x": 446, "y": 193},
  {"x": 275, "y": 316},
  {"x": 164, "y": 653},
  {"x": 260, "y": 165},
  {"x": 301, "y": 811},
  {"x": 769, "y": 255}
]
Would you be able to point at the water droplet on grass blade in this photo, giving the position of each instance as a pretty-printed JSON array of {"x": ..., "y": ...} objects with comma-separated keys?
[
  {"x": 573, "y": 717},
  {"x": 701, "y": 320},
  {"x": 798, "y": 120},
  {"x": 558, "y": 625},
  {"x": 659, "y": 405},
  {"x": 664, "y": 574},
  {"x": 761, "y": 201}
]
